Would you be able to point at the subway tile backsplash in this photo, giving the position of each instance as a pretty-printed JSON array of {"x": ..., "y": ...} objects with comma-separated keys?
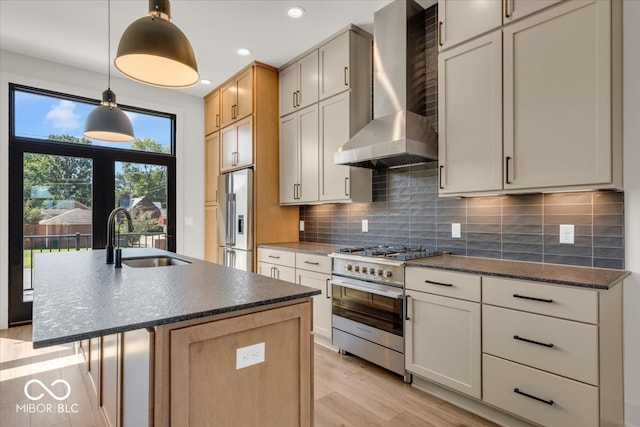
[{"x": 406, "y": 210}]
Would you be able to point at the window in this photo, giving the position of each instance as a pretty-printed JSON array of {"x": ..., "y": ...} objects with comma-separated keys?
[{"x": 62, "y": 186}]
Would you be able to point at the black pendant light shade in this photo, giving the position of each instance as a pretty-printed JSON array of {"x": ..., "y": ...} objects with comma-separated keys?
[
  {"x": 154, "y": 51},
  {"x": 107, "y": 122}
]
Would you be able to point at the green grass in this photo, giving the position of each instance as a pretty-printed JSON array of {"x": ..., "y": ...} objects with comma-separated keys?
[{"x": 26, "y": 254}]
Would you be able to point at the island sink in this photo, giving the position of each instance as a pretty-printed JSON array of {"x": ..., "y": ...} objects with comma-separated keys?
[{"x": 156, "y": 261}]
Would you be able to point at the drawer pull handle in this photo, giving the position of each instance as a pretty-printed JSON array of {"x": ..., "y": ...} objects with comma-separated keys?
[
  {"x": 274, "y": 256},
  {"x": 312, "y": 263},
  {"x": 438, "y": 283},
  {"x": 530, "y": 396},
  {"x": 532, "y": 298},
  {"x": 516, "y": 337}
]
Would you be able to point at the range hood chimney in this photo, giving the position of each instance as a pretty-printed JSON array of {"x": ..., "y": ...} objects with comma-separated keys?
[{"x": 399, "y": 134}]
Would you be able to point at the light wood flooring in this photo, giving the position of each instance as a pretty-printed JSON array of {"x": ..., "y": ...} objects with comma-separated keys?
[{"x": 349, "y": 392}]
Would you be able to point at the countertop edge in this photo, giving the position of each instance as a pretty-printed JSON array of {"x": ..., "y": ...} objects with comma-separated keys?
[
  {"x": 284, "y": 247},
  {"x": 604, "y": 287},
  {"x": 132, "y": 327}
]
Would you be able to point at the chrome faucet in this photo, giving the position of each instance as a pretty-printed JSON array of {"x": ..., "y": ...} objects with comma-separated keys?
[{"x": 111, "y": 225}]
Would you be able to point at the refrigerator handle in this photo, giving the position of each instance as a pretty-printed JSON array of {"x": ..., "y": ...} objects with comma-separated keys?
[
  {"x": 233, "y": 259},
  {"x": 232, "y": 221}
]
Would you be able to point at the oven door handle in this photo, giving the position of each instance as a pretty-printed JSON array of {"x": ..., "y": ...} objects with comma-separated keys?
[{"x": 388, "y": 294}]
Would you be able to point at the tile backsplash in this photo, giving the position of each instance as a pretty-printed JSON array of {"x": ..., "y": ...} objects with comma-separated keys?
[{"x": 406, "y": 210}]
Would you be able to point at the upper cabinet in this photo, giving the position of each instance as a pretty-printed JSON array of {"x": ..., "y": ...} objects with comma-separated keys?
[
  {"x": 535, "y": 105},
  {"x": 299, "y": 84},
  {"x": 462, "y": 20},
  {"x": 236, "y": 145},
  {"x": 211, "y": 167},
  {"x": 313, "y": 127},
  {"x": 212, "y": 112},
  {"x": 236, "y": 98}
]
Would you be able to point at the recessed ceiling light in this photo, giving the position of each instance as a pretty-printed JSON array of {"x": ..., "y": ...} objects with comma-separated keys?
[
  {"x": 205, "y": 82},
  {"x": 243, "y": 52},
  {"x": 295, "y": 12}
]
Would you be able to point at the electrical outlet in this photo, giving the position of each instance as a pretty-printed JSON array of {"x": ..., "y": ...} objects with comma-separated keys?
[
  {"x": 250, "y": 355},
  {"x": 567, "y": 234},
  {"x": 365, "y": 225},
  {"x": 188, "y": 221},
  {"x": 455, "y": 230},
  {"x": 301, "y": 225}
]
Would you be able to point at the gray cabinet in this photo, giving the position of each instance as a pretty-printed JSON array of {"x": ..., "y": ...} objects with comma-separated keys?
[
  {"x": 299, "y": 84},
  {"x": 237, "y": 145},
  {"x": 535, "y": 105},
  {"x": 299, "y": 156}
]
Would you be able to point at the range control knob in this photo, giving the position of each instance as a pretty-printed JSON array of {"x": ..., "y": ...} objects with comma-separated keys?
[
  {"x": 356, "y": 268},
  {"x": 380, "y": 272},
  {"x": 348, "y": 267},
  {"x": 372, "y": 270},
  {"x": 387, "y": 273}
]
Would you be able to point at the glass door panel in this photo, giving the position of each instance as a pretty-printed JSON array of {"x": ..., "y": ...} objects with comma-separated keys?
[
  {"x": 142, "y": 189},
  {"x": 56, "y": 208}
]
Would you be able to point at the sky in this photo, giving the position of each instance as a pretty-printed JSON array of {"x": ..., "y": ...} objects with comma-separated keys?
[{"x": 38, "y": 116}]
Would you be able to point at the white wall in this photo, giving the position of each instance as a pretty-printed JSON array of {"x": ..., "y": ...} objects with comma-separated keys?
[
  {"x": 631, "y": 117},
  {"x": 189, "y": 111}
]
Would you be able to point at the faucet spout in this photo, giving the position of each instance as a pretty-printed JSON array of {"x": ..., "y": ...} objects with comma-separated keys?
[{"x": 111, "y": 224}]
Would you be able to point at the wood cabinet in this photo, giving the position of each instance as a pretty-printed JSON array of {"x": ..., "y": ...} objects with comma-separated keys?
[
  {"x": 209, "y": 386},
  {"x": 299, "y": 84},
  {"x": 212, "y": 112},
  {"x": 462, "y": 20},
  {"x": 236, "y": 146},
  {"x": 299, "y": 156},
  {"x": 560, "y": 90},
  {"x": 310, "y": 136},
  {"x": 236, "y": 98},
  {"x": 443, "y": 334},
  {"x": 553, "y": 354},
  {"x": 338, "y": 123},
  {"x": 251, "y": 140},
  {"x": 211, "y": 233},
  {"x": 211, "y": 167}
]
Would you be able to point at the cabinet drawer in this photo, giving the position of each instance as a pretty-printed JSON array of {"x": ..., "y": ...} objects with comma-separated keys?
[
  {"x": 562, "y": 402},
  {"x": 274, "y": 256},
  {"x": 559, "y": 301},
  {"x": 446, "y": 283},
  {"x": 311, "y": 262},
  {"x": 563, "y": 347}
]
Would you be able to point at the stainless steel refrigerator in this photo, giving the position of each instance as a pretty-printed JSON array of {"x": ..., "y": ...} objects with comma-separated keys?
[{"x": 235, "y": 219}]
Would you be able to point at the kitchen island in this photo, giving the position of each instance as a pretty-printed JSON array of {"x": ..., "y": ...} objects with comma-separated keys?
[{"x": 210, "y": 345}]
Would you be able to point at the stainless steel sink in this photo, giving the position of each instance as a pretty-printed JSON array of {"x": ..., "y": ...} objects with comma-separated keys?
[{"x": 156, "y": 261}]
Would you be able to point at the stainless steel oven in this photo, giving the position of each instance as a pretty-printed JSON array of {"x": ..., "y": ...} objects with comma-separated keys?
[{"x": 368, "y": 303}]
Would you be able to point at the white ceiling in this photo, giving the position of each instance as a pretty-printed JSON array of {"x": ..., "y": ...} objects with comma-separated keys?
[{"x": 74, "y": 32}]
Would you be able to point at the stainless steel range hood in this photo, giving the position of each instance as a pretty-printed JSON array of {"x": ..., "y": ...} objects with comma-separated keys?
[{"x": 399, "y": 134}]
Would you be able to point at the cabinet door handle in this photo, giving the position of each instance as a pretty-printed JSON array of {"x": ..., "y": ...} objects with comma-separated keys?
[
  {"x": 234, "y": 158},
  {"x": 293, "y": 96},
  {"x": 217, "y": 120},
  {"x": 406, "y": 304},
  {"x": 531, "y": 396},
  {"x": 299, "y": 191},
  {"x": 312, "y": 263},
  {"x": 346, "y": 76},
  {"x": 295, "y": 197},
  {"x": 233, "y": 111},
  {"x": 274, "y": 256},
  {"x": 326, "y": 288},
  {"x": 431, "y": 282},
  {"x": 273, "y": 275},
  {"x": 298, "y": 98},
  {"x": 532, "y": 298},
  {"x": 439, "y": 33},
  {"x": 440, "y": 178},
  {"x": 346, "y": 186},
  {"x": 506, "y": 9},
  {"x": 516, "y": 337},
  {"x": 507, "y": 160}
]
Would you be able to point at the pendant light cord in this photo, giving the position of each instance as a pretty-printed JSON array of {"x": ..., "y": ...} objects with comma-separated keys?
[{"x": 109, "y": 44}]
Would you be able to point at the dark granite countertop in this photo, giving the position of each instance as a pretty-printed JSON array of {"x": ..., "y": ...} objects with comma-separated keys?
[
  {"x": 586, "y": 277},
  {"x": 77, "y": 296},
  {"x": 309, "y": 247}
]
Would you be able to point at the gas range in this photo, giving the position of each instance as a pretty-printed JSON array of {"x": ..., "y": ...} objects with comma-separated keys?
[{"x": 381, "y": 263}]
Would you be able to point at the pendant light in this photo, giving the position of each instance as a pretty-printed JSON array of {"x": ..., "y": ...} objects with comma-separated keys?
[
  {"x": 154, "y": 51},
  {"x": 107, "y": 122}
]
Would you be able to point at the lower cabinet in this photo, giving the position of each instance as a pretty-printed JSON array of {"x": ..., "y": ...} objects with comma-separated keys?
[
  {"x": 288, "y": 274},
  {"x": 442, "y": 341},
  {"x": 251, "y": 370}
]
